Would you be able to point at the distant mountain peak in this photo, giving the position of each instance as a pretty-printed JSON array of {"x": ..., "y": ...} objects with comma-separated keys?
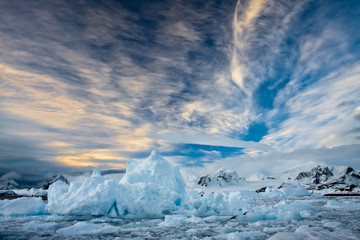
[
  {"x": 221, "y": 178},
  {"x": 56, "y": 177},
  {"x": 323, "y": 177},
  {"x": 9, "y": 184}
]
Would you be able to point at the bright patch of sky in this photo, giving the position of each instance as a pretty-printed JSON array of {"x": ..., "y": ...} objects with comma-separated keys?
[{"x": 246, "y": 83}]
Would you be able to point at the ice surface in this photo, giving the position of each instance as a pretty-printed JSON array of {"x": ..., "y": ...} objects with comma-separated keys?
[
  {"x": 345, "y": 205},
  {"x": 156, "y": 170},
  {"x": 95, "y": 196},
  {"x": 37, "y": 192},
  {"x": 149, "y": 188},
  {"x": 312, "y": 233},
  {"x": 319, "y": 224},
  {"x": 37, "y": 226},
  {"x": 173, "y": 221},
  {"x": 22, "y": 206},
  {"x": 96, "y": 173},
  {"x": 333, "y": 224},
  {"x": 86, "y": 228}
]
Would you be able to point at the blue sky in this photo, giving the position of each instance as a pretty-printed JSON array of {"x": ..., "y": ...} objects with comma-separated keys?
[{"x": 259, "y": 86}]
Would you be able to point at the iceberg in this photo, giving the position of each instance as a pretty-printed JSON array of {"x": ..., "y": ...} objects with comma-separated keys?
[
  {"x": 156, "y": 170},
  {"x": 22, "y": 206},
  {"x": 95, "y": 196},
  {"x": 150, "y": 188}
]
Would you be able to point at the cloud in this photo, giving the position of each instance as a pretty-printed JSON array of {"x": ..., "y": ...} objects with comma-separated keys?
[
  {"x": 100, "y": 83},
  {"x": 317, "y": 116},
  {"x": 116, "y": 82},
  {"x": 277, "y": 163},
  {"x": 11, "y": 175},
  {"x": 211, "y": 140}
]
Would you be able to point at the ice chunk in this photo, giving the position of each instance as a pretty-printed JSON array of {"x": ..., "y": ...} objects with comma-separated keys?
[
  {"x": 156, "y": 170},
  {"x": 147, "y": 200},
  {"x": 272, "y": 193},
  {"x": 333, "y": 224},
  {"x": 286, "y": 190},
  {"x": 173, "y": 221},
  {"x": 194, "y": 219},
  {"x": 96, "y": 173},
  {"x": 22, "y": 206},
  {"x": 313, "y": 233},
  {"x": 56, "y": 191},
  {"x": 293, "y": 211},
  {"x": 274, "y": 229},
  {"x": 295, "y": 190},
  {"x": 95, "y": 196},
  {"x": 346, "y": 205},
  {"x": 34, "y": 192},
  {"x": 86, "y": 228},
  {"x": 234, "y": 236},
  {"x": 237, "y": 203},
  {"x": 37, "y": 226}
]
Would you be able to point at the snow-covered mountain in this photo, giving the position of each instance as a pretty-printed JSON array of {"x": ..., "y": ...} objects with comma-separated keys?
[
  {"x": 221, "y": 178},
  {"x": 324, "y": 177},
  {"x": 55, "y": 178},
  {"x": 9, "y": 184}
]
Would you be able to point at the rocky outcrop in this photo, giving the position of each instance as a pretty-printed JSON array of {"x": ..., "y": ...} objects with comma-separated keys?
[
  {"x": 263, "y": 189},
  {"x": 7, "y": 193},
  {"x": 56, "y": 177},
  {"x": 268, "y": 178}
]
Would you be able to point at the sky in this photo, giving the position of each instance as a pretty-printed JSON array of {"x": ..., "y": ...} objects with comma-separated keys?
[{"x": 259, "y": 86}]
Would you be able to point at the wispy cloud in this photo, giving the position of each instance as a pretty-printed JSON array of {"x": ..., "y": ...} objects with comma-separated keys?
[
  {"x": 322, "y": 115},
  {"x": 212, "y": 141},
  {"x": 98, "y": 83}
]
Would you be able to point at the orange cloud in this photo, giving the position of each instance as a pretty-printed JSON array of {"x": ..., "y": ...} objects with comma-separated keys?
[{"x": 87, "y": 157}]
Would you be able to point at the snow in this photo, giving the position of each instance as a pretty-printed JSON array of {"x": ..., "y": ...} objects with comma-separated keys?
[
  {"x": 21, "y": 192},
  {"x": 22, "y": 206}
]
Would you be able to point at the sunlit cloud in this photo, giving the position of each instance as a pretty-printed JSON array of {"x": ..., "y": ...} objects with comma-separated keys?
[
  {"x": 58, "y": 144},
  {"x": 91, "y": 157},
  {"x": 269, "y": 77}
]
